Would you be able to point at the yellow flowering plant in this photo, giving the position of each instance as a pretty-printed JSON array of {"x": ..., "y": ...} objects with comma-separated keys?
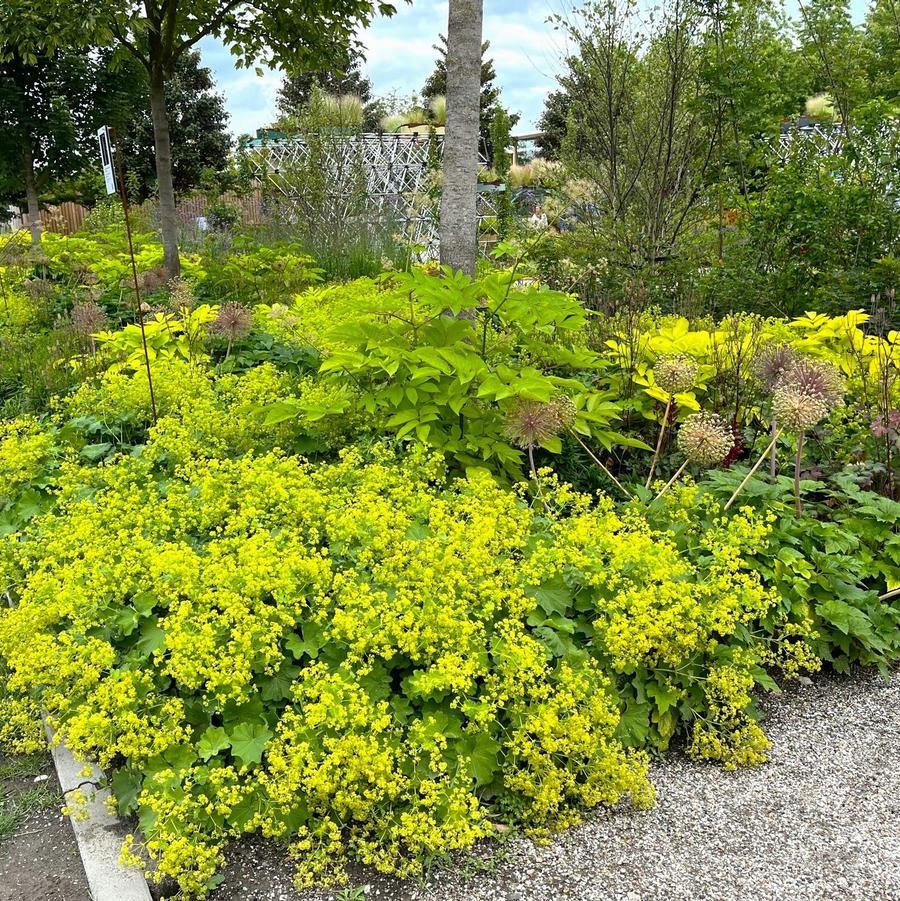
[{"x": 363, "y": 658}]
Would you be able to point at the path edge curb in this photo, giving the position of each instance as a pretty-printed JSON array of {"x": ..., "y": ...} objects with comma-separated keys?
[{"x": 99, "y": 834}]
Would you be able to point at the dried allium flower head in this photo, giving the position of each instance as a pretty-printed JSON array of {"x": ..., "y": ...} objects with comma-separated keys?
[
  {"x": 815, "y": 378},
  {"x": 772, "y": 363},
  {"x": 565, "y": 410},
  {"x": 38, "y": 288},
  {"x": 233, "y": 322},
  {"x": 797, "y": 410},
  {"x": 152, "y": 280},
  {"x": 181, "y": 295},
  {"x": 704, "y": 438},
  {"x": 87, "y": 318},
  {"x": 530, "y": 423},
  {"x": 675, "y": 373}
]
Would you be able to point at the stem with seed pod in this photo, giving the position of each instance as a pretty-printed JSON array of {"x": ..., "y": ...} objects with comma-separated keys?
[
  {"x": 797, "y": 474},
  {"x": 596, "y": 459},
  {"x": 659, "y": 441},
  {"x": 671, "y": 481},
  {"x": 776, "y": 434}
]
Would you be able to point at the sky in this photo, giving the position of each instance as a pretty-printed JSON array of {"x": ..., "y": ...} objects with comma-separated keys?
[{"x": 526, "y": 49}]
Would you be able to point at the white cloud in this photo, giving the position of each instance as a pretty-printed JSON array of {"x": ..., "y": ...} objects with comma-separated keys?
[{"x": 400, "y": 56}]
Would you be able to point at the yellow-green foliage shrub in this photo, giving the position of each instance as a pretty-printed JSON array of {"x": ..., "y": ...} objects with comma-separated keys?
[
  {"x": 211, "y": 415},
  {"x": 362, "y": 658}
]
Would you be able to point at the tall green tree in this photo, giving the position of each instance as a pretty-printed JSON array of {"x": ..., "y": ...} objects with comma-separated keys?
[
  {"x": 198, "y": 122},
  {"x": 489, "y": 102},
  {"x": 45, "y": 123},
  {"x": 459, "y": 220},
  {"x": 297, "y": 34},
  {"x": 882, "y": 49}
]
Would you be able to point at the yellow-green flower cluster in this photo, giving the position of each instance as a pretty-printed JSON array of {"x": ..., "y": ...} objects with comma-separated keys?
[{"x": 362, "y": 659}]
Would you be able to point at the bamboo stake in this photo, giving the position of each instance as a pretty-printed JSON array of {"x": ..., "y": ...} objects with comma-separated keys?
[
  {"x": 671, "y": 481},
  {"x": 659, "y": 442},
  {"x": 756, "y": 466},
  {"x": 596, "y": 459}
]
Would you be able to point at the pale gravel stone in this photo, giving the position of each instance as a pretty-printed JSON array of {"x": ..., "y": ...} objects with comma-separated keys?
[{"x": 820, "y": 821}]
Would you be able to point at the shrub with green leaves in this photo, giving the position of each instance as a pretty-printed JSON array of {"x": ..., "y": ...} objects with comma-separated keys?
[{"x": 445, "y": 360}]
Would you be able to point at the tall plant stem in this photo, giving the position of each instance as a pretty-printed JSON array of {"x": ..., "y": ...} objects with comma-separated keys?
[
  {"x": 537, "y": 479},
  {"x": 776, "y": 434},
  {"x": 797, "y": 474},
  {"x": 609, "y": 475},
  {"x": 671, "y": 481},
  {"x": 659, "y": 442},
  {"x": 773, "y": 454}
]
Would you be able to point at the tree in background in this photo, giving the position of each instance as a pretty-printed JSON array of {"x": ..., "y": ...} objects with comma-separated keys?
[
  {"x": 342, "y": 77},
  {"x": 832, "y": 52},
  {"x": 46, "y": 120},
  {"x": 198, "y": 124},
  {"x": 436, "y": 86},
  {"x": 882, "y": 49},
  {"x": 159, "y": 33},
  {"x": 553, "y": 123},
  {"x": 464, "y": 90}
]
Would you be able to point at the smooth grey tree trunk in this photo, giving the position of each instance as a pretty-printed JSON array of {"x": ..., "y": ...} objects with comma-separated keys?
[
  {"x": 459, "y": 220},
  {"x": 168, "y": 217},
  {"x": 31, "y": 192}
]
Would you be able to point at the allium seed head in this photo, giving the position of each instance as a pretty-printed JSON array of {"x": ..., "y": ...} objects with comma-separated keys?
[
  {"x": 233, "y": 321},
  {"x": 796, "y": 410},
  {"x": 565, "y": 410},
  {"x": 772, "y": 363},
  {"x": 181, "y": 295},
  {"x": 530, "y": 423},
  {"x": 704, "y": 438},
  {"x": 675, "y": 373},
  {"x": 87, "y": 318},
  {"x": 816, "y": 378}
]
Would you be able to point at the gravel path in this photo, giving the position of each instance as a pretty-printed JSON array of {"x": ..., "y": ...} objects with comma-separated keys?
[{"x": 821, "y": 821}]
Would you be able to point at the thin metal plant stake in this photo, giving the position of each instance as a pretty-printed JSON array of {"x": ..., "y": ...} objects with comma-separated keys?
[{"x": 123, "y": 193}]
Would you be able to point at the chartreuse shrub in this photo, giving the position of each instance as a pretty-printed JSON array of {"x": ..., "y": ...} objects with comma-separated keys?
[
  {"x": 364, "y": 659},
  {"x": 445, "y": 361}
]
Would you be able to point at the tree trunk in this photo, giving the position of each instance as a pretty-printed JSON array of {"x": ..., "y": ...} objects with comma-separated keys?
[
  {"x": 459, "y": 220},
  {"x": 168, "y": 218},
  {"x": 34, "y": 208}
]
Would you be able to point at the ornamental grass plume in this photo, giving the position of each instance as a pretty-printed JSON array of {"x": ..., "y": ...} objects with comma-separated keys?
[
  {"x": 233, "y": 322},
  {"x": 674, "y": 373},
  {"x": 705, "y": 439}
]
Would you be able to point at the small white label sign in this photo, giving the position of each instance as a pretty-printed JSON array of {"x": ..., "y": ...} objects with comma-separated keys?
[{"x": 106, "y": 157}]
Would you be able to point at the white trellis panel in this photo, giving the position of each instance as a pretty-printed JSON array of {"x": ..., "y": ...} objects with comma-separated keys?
[{"x": 392, "y": 168}]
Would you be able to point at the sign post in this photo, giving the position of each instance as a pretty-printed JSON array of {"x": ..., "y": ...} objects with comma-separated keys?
[{"x": 111, "y": 158}]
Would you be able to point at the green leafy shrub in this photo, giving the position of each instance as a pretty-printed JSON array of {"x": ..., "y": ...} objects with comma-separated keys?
[{"x": 449, "y": 368}]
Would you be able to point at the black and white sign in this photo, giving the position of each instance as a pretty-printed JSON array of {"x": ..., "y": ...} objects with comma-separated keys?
[{"x": 106, "y": 157}]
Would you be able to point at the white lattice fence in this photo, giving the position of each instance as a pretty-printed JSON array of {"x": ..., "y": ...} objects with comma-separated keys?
[{"x": 391, "y": 170}]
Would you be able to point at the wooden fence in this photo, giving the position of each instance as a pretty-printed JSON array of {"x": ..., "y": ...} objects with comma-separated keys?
[{"x": 66, "y": 218}]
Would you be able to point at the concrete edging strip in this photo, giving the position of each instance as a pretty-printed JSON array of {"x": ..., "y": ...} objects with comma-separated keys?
[{"x": 99, "y": 835}]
